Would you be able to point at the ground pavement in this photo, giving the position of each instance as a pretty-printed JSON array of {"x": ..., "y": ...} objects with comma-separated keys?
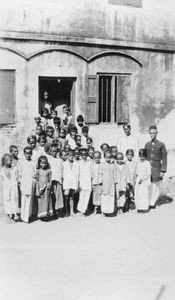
[{"x": 128, "y": 257}]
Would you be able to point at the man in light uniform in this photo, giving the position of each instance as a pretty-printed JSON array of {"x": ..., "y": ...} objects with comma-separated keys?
[
  {"x": 128, "y": 142},
  {"x": 157, "y": 156}
]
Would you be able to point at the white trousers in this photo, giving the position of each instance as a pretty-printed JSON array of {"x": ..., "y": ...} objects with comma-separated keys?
[
  {"x": 25, "y": 207},
  {"x": 154, "y": 191},
  {"x": 83, "y": 200},
  {"x": 107, "y": 204}
]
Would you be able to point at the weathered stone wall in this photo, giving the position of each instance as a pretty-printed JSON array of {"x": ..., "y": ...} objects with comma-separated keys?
[{"x": 153, "y": 23}]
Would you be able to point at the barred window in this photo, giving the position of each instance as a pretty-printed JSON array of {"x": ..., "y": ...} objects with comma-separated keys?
[{"x": 108, "y": 98}]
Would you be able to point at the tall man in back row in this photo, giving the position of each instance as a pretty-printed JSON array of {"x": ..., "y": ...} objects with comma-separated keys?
[{"x": 157, "y": 156}]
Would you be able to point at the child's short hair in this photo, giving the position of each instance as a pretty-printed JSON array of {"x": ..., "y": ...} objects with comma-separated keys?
[
  {"x": 114, "y": 148},
  {"x": 42, "y": 137},
  {"x": 104, "y": 144},
  {"x": 63, "y": 151},
  {"x": 12, "y": 147},
  {"x": 89, "y": 139},
  {"x": 85, "y": 129},
  {"x": 77, "y": 150},
  {"x": 121, "y": 154},
  {"x": 31, "y": 137},
  {"x": 39, "y": 125},
  {"x": 47, "y": 148},
  {"x": 130, "y": 151},
  {"x": 49, "y": 128},
  {"x": 91, "y": 148},
  {"x": 97, "y": 152},
  {"x": 77, "y": 135},
  {"x": 63, "y": 129},
  {"x": 80, "y": 119},
  {"x": 4, "y": 158},
  {"x": 27, "y": 148},
  {"x": 57, "y": 121},
  {"x": 71, "y": 152},
  {"x": 73, "y": 129},
  {"x": 45, "y": 110},
  {"x": 142, "y": 152},
  {"x": 54, "y": 145},
  {"x": 40, "y": 159},
  {"x": 107, "y": 152},
  {"x": 84, "y": 151},
  {"x": 67, "y": 146}
]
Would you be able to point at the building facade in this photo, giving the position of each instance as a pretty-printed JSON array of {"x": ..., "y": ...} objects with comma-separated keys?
[{"x": 110, "y": 60}]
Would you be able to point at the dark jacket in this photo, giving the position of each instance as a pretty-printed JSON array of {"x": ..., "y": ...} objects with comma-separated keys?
[{"x": 157, "y": 156}]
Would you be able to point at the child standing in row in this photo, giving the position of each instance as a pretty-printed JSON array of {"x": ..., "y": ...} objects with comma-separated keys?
[
  {"x": 108, "y": 185},
  {"x": 97, "y": 181},
  {"x": 9, "y": 180},
  {"x": 43, "y": 179},
  {"x": 143, "y": 180},
  {"x": 70, "y": 182},
  {"x": 85, "y": 184},
  {"x": 56, "y": 184},
  {"x": 122, "y": 181},
  {"x": 132, "y": 171},
  {"x": 27, "y": 169}
]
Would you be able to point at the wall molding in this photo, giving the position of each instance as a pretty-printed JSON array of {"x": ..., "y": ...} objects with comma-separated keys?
[{"x": 58, "y": 49}]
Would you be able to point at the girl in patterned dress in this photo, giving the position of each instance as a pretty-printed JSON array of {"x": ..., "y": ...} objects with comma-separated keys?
[{"x": 43, "y": 178}]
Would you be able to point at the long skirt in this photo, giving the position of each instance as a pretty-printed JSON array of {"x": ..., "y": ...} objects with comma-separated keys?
[
  {"x": 57, "y": 195},
  {"x": 44, "y": 203},
  {"x": 107, "y": 203},
  {"x": 84, "y": 197},
  {"x": 154, "y": 191},
  {"x": 142, "y": 196},
  {"x": 97, "y": 195}
]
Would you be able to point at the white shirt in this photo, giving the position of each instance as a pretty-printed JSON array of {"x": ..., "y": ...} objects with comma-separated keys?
[
  {"x": 128, "y": 142},
  {"x": 56, "y": 166},
  {"x": 85, "y": 175},
  {"x": 70, "y": 175}
]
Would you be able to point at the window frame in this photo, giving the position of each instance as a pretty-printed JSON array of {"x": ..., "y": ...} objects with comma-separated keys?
[{"x": 113, "y": 91}]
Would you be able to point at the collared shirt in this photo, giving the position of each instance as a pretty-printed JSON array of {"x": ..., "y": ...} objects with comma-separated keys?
[{"x": 128, "y": 142}]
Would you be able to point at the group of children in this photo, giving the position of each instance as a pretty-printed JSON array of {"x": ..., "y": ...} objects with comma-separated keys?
[{"x": 61, "y": 174}]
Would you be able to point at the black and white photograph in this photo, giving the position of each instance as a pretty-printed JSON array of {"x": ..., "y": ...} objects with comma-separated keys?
[{"x": 87, "y": 150}]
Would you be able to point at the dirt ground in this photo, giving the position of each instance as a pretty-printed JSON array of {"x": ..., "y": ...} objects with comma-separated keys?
[{"x": 128, "y": 257}]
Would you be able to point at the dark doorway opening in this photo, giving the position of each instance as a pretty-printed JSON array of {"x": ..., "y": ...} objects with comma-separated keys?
[{"x": 61, "y": 90}]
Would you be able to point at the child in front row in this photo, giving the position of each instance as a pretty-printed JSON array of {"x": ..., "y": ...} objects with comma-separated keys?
[
  {"x": 122, "y": 181},
  {"x": 97, "y": 181},
  {"x": 108, "y": 185},
  {"x": 9, "y": 188},
  {"x": 56, "y": 184},
  {"x": 132, "y": 169},
  {"x": 84, "y": 181},
  {"x": 143, "y": 181},
  {"x": 43, "y": 179},
  {"x": 27, "y": 169},
  {"x": 70, "y": 182}
]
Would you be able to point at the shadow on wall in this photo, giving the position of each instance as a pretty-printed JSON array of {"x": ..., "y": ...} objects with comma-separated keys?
[{"x": 150, "y": 110}]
